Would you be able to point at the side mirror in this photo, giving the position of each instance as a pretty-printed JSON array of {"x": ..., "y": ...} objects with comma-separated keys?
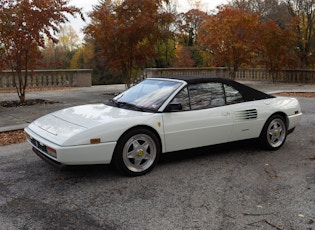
[{"x": 173, "y": 107}]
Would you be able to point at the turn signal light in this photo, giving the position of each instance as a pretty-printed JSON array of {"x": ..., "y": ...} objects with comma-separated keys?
[
  {"x": 51, "y": 151},
  {"x": 95, "y": 140}
]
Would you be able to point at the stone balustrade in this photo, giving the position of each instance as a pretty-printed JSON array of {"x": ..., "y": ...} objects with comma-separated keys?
[
  {"x": 256, "y": 74},
  {"x": 83, "y": 77},
  {"x": 287, "y": 76},
  {"x": 209, "y": 72},
  {"x": 50, "y": 78}
]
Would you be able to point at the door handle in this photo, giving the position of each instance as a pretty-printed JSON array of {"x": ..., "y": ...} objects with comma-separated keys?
[{"x": 226, "y": 113}]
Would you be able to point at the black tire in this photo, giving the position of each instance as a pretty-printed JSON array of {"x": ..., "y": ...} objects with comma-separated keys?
[
  {"x": 274, "y": 133},
  {"x": 137, "y": 152}
]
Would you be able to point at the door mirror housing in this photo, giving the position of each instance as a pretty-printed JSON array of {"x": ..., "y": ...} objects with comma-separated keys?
[{"x": 174, "y": 107}]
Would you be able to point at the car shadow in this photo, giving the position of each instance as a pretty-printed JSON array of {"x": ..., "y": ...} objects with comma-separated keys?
[
  {"x": 96, "y": 170},
  {"x": 214, "y": 150}
]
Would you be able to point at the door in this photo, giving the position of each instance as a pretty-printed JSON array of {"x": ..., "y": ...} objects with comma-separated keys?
[{"x": 204, "y": 119}]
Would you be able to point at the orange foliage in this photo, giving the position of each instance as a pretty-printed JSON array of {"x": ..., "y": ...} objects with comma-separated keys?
[
  {"x": 231, "y": 37},
  {"x": 126, "y": 34},
  {"x": 235, "y": 37},
  {"x": 183, "y": 57},
  {"x": 277, "y": 45}
]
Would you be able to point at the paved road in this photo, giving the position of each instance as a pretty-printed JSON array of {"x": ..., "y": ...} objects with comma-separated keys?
[{"x": 234, "y": 186}]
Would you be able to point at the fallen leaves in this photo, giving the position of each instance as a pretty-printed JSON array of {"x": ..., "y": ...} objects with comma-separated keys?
[
  {"x": 271, "y": 173},
  {"x": 12, "y": 137},
  {"x": 29, "y": 102}
]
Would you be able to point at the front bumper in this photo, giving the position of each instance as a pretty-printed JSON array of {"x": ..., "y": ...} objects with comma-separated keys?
[
  {"x": 47, "y": 159},
  {"x": 294, "y": 120},
  {"x": 71, "y": 155}
]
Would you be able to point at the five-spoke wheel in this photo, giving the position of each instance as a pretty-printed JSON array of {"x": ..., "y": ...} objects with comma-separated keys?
[
  {"x": 137, "y": 152},
  {"x": 274, "y": 133}
]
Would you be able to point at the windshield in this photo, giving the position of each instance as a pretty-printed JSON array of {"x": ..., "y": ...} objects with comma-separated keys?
[{"x": 148, "y": 95}]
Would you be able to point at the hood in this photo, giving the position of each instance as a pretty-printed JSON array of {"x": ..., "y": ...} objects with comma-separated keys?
[
  {"x": 65, "y": 124},
  {"x": 89, "y": 116}
]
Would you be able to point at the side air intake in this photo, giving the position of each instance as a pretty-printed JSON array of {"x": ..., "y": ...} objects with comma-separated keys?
[{"x": 248, "y": 114}]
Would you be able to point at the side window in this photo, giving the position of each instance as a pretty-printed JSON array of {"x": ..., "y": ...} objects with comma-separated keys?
[
  {"x": 183, "y": 98},
  {"x": 201, "y": 96},
  {"x": 233, "y": 96},
  {"x": 217, "y": 94},
  {"x": 206, "y": 95}
]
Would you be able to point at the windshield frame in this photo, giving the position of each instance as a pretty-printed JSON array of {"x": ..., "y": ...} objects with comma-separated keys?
[{"x": 145, "y": 99}]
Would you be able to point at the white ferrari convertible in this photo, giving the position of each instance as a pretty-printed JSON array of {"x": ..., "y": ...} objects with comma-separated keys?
[{"x": 161, "y": 115}]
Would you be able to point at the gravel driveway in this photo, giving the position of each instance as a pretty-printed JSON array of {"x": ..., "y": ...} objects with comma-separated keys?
[{"x": 235, "y": 186}]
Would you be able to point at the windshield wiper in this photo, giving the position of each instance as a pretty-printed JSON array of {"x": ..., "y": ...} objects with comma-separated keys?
[
  {"x": 113, "y": 101},
  {"x": 122, "y": 104},
  {"x": 129, "y": 105}
]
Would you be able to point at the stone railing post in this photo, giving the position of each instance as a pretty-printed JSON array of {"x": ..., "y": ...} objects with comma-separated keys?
[{"x": 84, "y": 78}]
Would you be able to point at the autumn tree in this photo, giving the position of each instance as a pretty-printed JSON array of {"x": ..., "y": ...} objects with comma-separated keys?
[
  {"x": 277, "y": 46},
  {"x": 230, "y": 37},
  {"x": 304, "y": 10},
  {"x": 275, "y": 10},
  {"x": 165, "y": 47},
  {"x": 83, "y": 58},
  {"x": 125, "y": 34},
  {"x": 165, "y": 53},
  {"x": 24, "y": 24},
  {"x": 189, "y": 24},
  {"x": 59, "y": 55},
  {"x": 283, "y": 12}
]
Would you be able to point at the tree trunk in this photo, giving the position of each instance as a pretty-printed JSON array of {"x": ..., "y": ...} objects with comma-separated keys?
[
  {"x": 22, "y": 98},
  {"x": 20, "y": 86},
  {"x": 232, "y": 73}
]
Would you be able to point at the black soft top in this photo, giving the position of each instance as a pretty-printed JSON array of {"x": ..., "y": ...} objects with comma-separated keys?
[{"x": 248, "y": 93}]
